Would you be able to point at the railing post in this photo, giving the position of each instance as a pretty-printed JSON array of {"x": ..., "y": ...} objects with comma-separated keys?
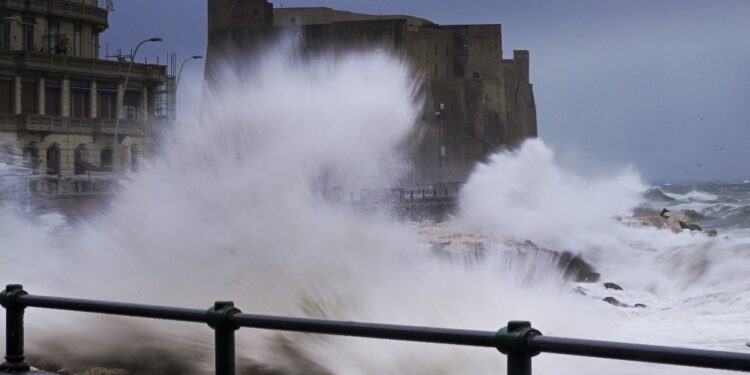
[
  {"x": 513, "y": 342},
  {"x": 14, "y": 357},
  {"x": 220, "y": 319}
]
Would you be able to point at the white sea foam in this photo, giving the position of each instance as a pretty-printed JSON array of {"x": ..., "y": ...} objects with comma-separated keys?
[{"x": 695, "y": 196}]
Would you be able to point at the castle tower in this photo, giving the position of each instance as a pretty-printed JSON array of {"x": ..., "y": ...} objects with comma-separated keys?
[{"x": 232, "y": 14}]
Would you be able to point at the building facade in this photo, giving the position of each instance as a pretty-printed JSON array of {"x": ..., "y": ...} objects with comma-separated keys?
[
  {"x": 59, "y": 101},
  {"x": 476, "y": 101}
]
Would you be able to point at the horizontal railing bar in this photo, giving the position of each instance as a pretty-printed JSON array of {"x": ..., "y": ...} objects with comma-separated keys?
[
  {"x": 536, "y": 343},
  {"x": 115, "y": 308},
  {"x": 641, "y": 353},
  {"x": 371, "y": 330}
]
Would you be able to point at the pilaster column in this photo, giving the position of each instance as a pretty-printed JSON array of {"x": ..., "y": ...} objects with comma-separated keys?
[
  {"x": 41, "y": 103},
  {"x": 65, "y": 96},
  {"x": 93, "y": 100},
  {"x": 120, "y": 99},
  {"x": 144, "y": 104},
  {"x": 17, "y": 94}
]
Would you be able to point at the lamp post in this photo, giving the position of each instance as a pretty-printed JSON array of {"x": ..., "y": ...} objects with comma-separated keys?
[
  {"x": 120, "y": 104},
  {"x": 196, "y": 57},
  {"x": 179, "y": 74},
  {"x": 439, "y": 116}
]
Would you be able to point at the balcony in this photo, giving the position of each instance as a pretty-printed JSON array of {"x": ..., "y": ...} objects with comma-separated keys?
[
  {"x": 79, "y": 66},
  {"x": 67, "y": 9},
  {"x": 69, "y": 125}
]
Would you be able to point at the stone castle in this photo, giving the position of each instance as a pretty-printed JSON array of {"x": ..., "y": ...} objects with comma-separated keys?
[{"x": 476, "y": 101}]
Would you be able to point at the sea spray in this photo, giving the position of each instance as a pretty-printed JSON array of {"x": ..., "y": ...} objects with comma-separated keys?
[
  {"x": 691, "y": 283},
  {"x": 231, "y": 208},
  {"x": 526, "y": 194}
]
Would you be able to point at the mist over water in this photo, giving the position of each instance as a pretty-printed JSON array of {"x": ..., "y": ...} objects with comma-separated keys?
[{"x": 232, "y": 208}]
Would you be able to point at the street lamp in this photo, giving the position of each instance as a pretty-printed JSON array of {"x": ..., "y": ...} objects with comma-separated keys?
[
  {"x": 440, "y": 117},
  {"x": 120, "y": 104},
  {"x": 179, "y": 74},
  {"x": 196, "y": 57}
]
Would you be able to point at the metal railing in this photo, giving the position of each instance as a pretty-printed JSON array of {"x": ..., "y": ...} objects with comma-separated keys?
[
  {"x": 436, "y": 192},
  {"x": 518, "y": 341}
]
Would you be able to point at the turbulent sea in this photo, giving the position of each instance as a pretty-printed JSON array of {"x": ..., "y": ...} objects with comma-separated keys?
[{"x": 232, "y": 208}]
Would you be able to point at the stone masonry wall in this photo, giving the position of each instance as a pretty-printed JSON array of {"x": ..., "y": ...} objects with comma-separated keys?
[{"x": 485, "y": 103}]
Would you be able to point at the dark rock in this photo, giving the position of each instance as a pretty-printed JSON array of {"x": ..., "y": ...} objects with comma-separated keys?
[
  {"x": 640, "y": 305},
  {"x": 690, "y": 226},
  {"x": 580, "y": 290},
  {"x": 711, "y": 232},
  {"x": 612, "y": 286},
  {"x": 614, "y": 302},
  {"x": 576, "y": 269}
]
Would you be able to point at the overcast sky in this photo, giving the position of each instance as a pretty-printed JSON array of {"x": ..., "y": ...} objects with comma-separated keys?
[{"x": 662, "y": 85}]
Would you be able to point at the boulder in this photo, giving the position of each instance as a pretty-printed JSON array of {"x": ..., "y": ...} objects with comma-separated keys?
[
  {"x": 677, "y": 221},
  {"x": 573, "y": 266},
  {"x": 612, "y": 286},
  {"x": 614, "y": 302},
  {"x": 576, "y": 269},
  {"x": 691, "y": 226}
]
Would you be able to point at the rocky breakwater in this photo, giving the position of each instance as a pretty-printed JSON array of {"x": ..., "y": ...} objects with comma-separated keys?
[
  {"x": 456, "y": 246},
  {"x": 675, "y": 221}
]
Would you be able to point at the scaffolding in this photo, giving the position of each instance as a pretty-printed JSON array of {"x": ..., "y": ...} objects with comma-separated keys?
[{"x": 166, "y": 95}]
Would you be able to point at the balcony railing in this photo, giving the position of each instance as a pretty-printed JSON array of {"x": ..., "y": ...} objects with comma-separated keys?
[
  {"x": 518, "y": 341},
  {"x": 71, "y": 125},
  {"x": 64, "y": 64}
]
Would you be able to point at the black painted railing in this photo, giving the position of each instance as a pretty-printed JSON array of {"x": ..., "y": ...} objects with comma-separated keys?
[{"x": 518, "y": 341}]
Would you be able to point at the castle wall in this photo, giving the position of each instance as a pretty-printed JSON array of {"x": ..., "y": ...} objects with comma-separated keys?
[
  {"x": 487, "y": 102},
  {"x": 520, "y": 97},
  {"x": 234, "y": 14}
]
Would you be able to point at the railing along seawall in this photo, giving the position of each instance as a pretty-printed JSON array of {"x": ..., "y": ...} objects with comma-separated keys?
[{"x": 518, "y": 340}]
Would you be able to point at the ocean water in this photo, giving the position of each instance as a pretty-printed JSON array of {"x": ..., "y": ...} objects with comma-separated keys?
[{"x": 231, "y": 208}]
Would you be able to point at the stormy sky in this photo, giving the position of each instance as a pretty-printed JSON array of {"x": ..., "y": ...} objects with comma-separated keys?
[{"x": 660, "y": 85}]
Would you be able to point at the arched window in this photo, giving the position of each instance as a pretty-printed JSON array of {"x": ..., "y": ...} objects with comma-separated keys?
[
  {"x": 135, "y": 154},
  {"x": 31, "y": 156},
  {"x": 53, "y": 160},
  {"x": 106, "y": 157},
  {"x": 81, "y": 159}
]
